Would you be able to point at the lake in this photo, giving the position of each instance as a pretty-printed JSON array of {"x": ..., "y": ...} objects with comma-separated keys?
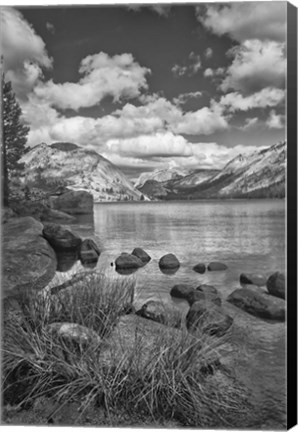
[{"x": 247, "y": 235}]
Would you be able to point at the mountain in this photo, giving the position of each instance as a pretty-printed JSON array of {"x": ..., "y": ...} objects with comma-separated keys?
[
  {"x": 259, "y": 174},
  {"x": 67, "y": 164},
  {"x": 161, "y": 175}
]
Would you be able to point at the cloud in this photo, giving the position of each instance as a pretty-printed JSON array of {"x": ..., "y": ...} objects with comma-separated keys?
[
  {"x": 185, "y": 97},
  {"x": 189, "y": 69},
  {"x": 50, "y": 27},
  {"x": 214, "y": 72},
  {"x": 256, "y": 65},
  {"x": 267, "y": 97},
  {"x": 246, "y": 20},
  {"x": 250, "y": 123},
  {"x": 161, "y": 10},
  {"x": 208, "y": 72},
  {"x": 23, "y": 50},
  {"x": 208, "y": 52},
  {"x": 179, "y": 70},
  {"x": 118, "y": 76},
  {"x": 275, "y": 121}
]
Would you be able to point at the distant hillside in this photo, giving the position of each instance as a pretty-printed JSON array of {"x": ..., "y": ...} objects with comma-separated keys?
[{"x": 67, "y": 164}]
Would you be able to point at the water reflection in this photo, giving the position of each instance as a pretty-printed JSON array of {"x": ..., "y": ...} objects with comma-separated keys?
[
  {"x": 66, "y": 260},
  {"x": 169, "y": 271}
]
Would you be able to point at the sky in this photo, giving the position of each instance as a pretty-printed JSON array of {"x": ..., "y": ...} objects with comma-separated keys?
[{"x": 150, "y": 87}]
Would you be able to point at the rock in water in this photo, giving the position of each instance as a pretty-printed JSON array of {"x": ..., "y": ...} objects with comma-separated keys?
[
  {"x": 73, "y": 202},
  {"x": 141, "y": 254},
  {"x": 60, "y": 237},
  {"x": 89, "y": 251},
  {"x": 276, "y": 285},
  {"x": 252, "y": 279},
  {"x": 28, "y": 261},
  {"x": 199, "y": 268},
  {"x": 182, "y": 291},
  {"x": 169, "y": 261},
  {"x": 258, "y": 304},
  {"x": 208, "y": 318},
  {"x": 127, "y": 261},
  {"x": 216, "y": 266}
]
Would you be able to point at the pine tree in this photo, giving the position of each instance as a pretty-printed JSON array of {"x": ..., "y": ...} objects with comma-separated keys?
[{"x": 14, "y": 137}]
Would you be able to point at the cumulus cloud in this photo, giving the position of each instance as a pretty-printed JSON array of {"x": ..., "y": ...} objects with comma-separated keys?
[
  {"x": 208, "y": 72},
  {"x": 267, "y": 97},
  {"x": 118, "y": 76},
  {"x": 275, "y": 121},
  {"x": 185, "y": 97},
  {"x": 256, "y": 65},
  {"x": 250, "y": 123},
  {"x": 50, "y": 27},
  {"x": 204, "y": 121},
  {"x": 193, "y": 66},
  {"x": 161, "y": 10},
  {"x": 246, "y": 20},
  {"x": 209, "y": 52},
  {"x": 24, "y": 52}
]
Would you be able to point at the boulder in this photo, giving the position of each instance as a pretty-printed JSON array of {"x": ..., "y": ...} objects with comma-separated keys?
[
  {"x": 75, "y": 333},
  {"x": 66, "y": 259},
  {"x": 276, "y": 285},
  {"x": 182, "y": 291},
  {"x": 73, "y": 202},
  {"x": 216, "y": 266},
  {"x": 252, "y": 279},
  {"x": 169, "y": 261},
  {"x": 209, "y": 292},
  {"x": 208, "y": 318},
  {"x": 258, "y": 304},
  {"x": 160, "y": 312},
  {"x": 141, "y": 254},
  {"x": 199, "y": 268},
  {"x": 6, "y": 214},
  {"x": 28, "y": 261},
  {"x": 40, "y": 211},
  {"x": 127, "y": 261},
  {"x": 89, "y": 251},
  {"x": 60, "y": 237}
]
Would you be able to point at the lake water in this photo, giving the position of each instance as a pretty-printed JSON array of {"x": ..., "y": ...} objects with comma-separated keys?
[{"x": 247, "y": 235}]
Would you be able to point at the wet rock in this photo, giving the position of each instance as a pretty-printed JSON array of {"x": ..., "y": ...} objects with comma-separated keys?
[
  {"x": 28, "y": 261},
  {"x": 40, "y": 211},
  {"x": 276, "y": 285},
  {"x": 182, "y": 291},
  {"x": 60, "y": 237},
  {"x": 73, "y": 332},
  {"x": 208, "y": 318},
  {"x": 199, "y": 268},
  {"x": 160, "y": 312},
  {"x": 258, "y": 304},
  {"x": 169, "y": 272},
  {"x": 73, "y": 202},
  {"x": 252, "y": 279},
  {"x": 127, "y": 262},
  {"x": 141, "y": 254},
  {"x": 89, "y": 251},
  {"x": 216, "y": 266},
  {"x": 66, "y": 259},
  {"x": 169, "y": 261},
  {"x": 210, "y": 294}
]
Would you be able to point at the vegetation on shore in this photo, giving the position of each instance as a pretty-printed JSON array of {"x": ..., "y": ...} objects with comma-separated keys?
[{"x": 172, "y": 381}]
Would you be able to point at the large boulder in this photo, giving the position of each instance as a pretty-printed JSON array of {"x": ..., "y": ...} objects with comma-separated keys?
[
  {"x": 209, "y": 318},
  {"x": 276, "y": 285},
  {"x": 60, "y": 237},
  {"x": 89, "y": 251},
  {"x": 141, "y": 254},
  {"x": 127, "y": 261},
  {"x": 199, "y": 268},
  {"x": 6, "y": 214},
  {"x": 258, "y": 304},
  {"x": 161, "y": 312},
  {"x": 28, "y": 261},
  {"x": 74, "y": 333},
  {"x": 73, "y": 202},
  {"x": 169, "y": 261},
  {"x": 252, "y": 279},
  {"x": 182, "y": 291},
  {"x": 216, "y": 266}
]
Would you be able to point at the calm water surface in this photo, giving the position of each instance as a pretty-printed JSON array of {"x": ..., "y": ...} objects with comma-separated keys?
[{"x": 248, "y": 236}]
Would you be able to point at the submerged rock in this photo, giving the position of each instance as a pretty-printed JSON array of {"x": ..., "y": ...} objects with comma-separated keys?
[
  {"x": 199, "y": 268},
  {"x": 127, "y": 261},
  {"x": 258, "y": 304},
  {"x": 28, "y": 261},
  {"x": 252, "y": 279},
  {"x": 276, "y": 285},
  {"x": 60, "y": 237},
  {"x": 73, "y": 202},
  {"x": 169, "y": 261},
  {"x": 89, "y": 251},
  {"x": 141, "y": 254},
  {"x": 209, "y": 294},
  {"x": 216, "y": 266},
  {"x": 208, "y": 318}
]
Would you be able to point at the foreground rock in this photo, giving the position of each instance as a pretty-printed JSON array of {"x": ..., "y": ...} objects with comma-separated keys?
[
  {"x": 208, "y": 318},
  {"x": 72, "y": 332},
  {"x": 141, "y": 254},
  {"x": 199, "y": 268},
  {"x": 258, "y": 304},
  {"x": 192, "y": 295},
  {"x": 73, "y": 202},
  {"x": 28, "y": 261},
  {"x": 182, "y": 291},
  {"x": 40, "y": 211},
  {"x": 7, "y": 214},
  {"x": 216, "y": 266},
  {"x": 60, "y": 237},
  {"x": 89, "y": 251},
  {"x": 127, "y": 261},
  {"x": 252, "y": 279},
  {"x": 160, "y": 312},
  {"x": 169, "y": 262},
  {"x": 276, "y": 285}
]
